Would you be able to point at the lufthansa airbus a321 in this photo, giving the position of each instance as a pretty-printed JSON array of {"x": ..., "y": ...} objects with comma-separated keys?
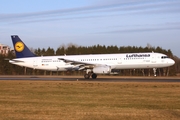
[{"x": 92, "y": 64}]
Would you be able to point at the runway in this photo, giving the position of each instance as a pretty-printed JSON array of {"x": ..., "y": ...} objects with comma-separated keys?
[{"x": 99, "y": 79}]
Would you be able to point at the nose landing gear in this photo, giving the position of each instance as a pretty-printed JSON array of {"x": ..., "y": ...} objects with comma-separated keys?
[{"x": 154, "y": 70}]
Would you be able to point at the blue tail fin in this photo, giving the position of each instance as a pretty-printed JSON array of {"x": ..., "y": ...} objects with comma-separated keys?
[{"x": 20, "y": 48}]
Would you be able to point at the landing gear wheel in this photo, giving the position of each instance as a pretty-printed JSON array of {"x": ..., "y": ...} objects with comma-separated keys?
[
  {"x": 86, "y": 76},
  {"x": 94, "y": 76}
]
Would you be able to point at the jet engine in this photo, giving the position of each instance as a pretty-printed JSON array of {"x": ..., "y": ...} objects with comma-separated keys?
[{"x": 102, "y": 69}]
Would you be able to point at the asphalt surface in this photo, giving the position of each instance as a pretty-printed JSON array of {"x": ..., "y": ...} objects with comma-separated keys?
[{"x": 99, "y": 79}]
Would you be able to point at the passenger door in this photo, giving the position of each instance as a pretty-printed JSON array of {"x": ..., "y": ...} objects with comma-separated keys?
[
  {"x": 35, "y": 63},
  {"x": 153, "y": 58}
]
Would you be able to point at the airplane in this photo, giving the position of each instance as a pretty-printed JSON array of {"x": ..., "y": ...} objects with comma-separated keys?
[{"x": 93, "y": 64}]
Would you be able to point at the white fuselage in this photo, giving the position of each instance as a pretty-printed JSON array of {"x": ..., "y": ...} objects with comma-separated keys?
[{"x": 115, "y": 61}]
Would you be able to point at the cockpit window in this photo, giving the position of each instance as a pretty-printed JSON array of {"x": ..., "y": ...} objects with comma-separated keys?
[{"x": 164, "y": 57}]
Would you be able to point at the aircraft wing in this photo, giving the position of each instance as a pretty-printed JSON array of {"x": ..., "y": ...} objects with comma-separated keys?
[
  {"x": 79, "y": 63},
  {"x": 74, "y": 62}
]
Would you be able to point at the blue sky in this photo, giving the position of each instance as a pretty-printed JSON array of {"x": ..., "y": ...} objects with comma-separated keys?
[{"x": 45, "y": 23}]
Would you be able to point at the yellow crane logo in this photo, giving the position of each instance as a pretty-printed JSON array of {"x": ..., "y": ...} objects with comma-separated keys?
[{"x": 19, "y": 46}]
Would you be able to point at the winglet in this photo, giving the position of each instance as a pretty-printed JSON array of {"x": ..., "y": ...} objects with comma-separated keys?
[{"x": 20, "y": 48}]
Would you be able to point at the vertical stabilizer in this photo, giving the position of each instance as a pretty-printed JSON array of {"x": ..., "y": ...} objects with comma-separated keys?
[{"x": 20, "y": 48}]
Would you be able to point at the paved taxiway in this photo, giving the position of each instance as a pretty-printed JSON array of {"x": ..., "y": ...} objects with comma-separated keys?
[{"x": 99, "y": 79}]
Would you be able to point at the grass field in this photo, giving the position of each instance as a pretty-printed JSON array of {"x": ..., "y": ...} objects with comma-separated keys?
[{"x": 56, "y": 100}]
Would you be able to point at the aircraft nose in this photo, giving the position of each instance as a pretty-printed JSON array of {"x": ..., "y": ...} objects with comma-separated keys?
[{"x": 172, "y": 62}]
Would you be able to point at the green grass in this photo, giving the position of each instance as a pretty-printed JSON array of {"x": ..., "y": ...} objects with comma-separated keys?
[{"x": 54, "y": 100}]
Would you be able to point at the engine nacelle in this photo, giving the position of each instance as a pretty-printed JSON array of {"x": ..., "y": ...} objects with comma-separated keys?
[{"x": 102, "y": 70}]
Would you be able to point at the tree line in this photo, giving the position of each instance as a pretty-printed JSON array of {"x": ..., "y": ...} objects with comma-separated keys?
[{"x": 9, "y": 69}]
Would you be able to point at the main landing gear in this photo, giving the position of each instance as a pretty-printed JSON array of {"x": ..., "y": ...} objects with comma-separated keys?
[
  {"x": 92, "y": 75},
  {"x": 89, "y": 74}
]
